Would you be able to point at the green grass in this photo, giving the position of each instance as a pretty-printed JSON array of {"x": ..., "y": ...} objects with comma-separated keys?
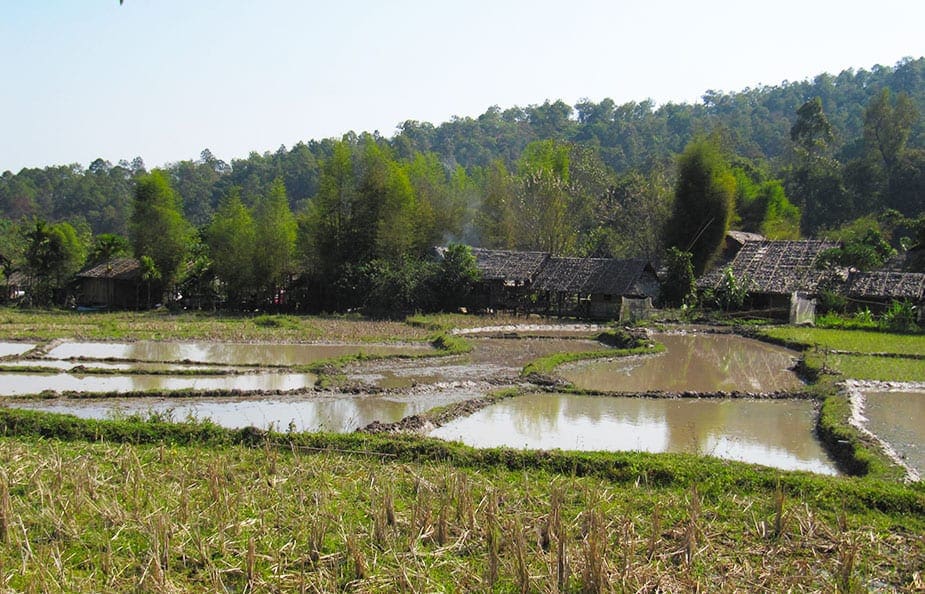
[
  {"x": 44, "y": 325},
  {"x": 869, "y": 367},
  {"x": 626, "y": 346},
  {"x": 856, "y": 341},
  {"x": 124, "y": 507}
]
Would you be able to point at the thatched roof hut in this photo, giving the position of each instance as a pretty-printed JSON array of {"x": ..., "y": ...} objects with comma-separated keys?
[
  {"x": 598, "y": 276},
  {"x": 775, "y": 267},
  {"x": 886, "y": 286},
  {"x": 508, "y": 266}
]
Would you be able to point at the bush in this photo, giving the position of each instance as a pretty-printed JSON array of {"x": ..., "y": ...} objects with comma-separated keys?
[
  {"x": 900, "y": 317},
  {"x": 831, "y": 301}
]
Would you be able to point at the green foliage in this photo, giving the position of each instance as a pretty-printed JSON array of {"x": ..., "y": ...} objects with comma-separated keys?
[
  {"x": 399, "y": 288},
  {"x": 830, "y": 301},
  {"x": 901, "y": 316},
  {"x": 704, "y": 203},
  {"x": 232, "y": 240},
  {"x": 864, "y": 246},
  {"x": 762, "y": 207},
  {"x": 457, "y": 277},
  {"x": 274, "y": 241},
  {"x": 812, "y": 132},
  {"x": 731, "y": 292},
  {"x": 157, "y": 227},
  {"x": 107, "y": 246},
  {"x": 54, "y": 253},
  {"x": 678, "y": 286}
]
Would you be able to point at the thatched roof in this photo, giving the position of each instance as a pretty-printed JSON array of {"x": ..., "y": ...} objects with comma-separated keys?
[
  {"x": 886, "y": 285},
  {"x": 601, "y": 276},
  {"x": 507, "y": 265},
  {"x": 18, "y": 278},
  {"x": 775, "y": 267},
  {"x": 116, "y": 269},
  {"x": 740, "y": 237}
]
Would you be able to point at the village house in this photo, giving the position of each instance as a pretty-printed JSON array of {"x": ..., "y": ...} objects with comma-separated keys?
[
  {"x": 506, "y": 277},
  {"x": 602, "y": 288},
  {"x": 776, "y": 272},
  {"x": 115, "y": 283},
  {"x": 877, "y": 289},
  {"x": 536, "y": 282}
]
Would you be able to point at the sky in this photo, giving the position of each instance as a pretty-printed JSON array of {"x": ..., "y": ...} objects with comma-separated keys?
[{"x": 165, "y": 79}]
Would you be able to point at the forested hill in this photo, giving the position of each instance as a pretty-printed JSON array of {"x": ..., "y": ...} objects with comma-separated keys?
[{"x": 633, "y": 138}]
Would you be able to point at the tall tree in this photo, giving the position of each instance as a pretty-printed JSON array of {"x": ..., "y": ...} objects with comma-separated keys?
[
  {"x": 704, "y": 203},
  {"x": 275, "y": 239},
  {"x": 232, "y": 240},
  {"x": 157, "y": 227},
  {"x": 54, "y": 253},
  {"x": 812, "y": 133},
  {"x": 887, "y": 124}
]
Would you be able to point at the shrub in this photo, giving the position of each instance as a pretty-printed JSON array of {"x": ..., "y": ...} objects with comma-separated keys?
[{"x": 900, "y": 317}]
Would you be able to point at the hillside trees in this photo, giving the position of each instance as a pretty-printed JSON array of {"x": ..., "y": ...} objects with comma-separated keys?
[{"x": 703, "y": 205}]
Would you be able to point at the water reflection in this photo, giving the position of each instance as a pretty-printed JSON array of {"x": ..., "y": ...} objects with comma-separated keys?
[
  {"x": 697, "y": 363},
  {"x": 8, "y": 349},
  {"x": 17, "y": 384},
  {"x": 341, "y": 413},
  {"x": 897, "y": 419},
  {"x": 774, "y": 433},
  {"x": 67, "y": 365},
  {"x": 225, "y": 353}
]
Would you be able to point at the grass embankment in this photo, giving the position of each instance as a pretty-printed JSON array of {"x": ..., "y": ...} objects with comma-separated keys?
[
  {"x": 16, "y": 324},
  {"x": 621, "y": 343},
  {"x": 859, "y": 354},
  {"x": 244, "y": 511},
  {"x": 830, "y": 355}
]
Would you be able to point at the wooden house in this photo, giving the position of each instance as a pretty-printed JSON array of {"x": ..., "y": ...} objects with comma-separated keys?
[
  {"x": 775, "y": 270},
  {"x": 594, "y": 287},
  {"x": 116, "y": 283}
]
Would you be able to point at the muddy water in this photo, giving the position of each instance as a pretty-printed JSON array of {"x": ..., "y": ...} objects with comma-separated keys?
[
  {"x": 898, "y": 418},
  {"x": 8, "y": 349},
  {"x": 339, "y": 413},
  {"x": 775, "y": 433},
  {"x": 692, "y": 362},
  {"x": 490, "y": 358},
  {"x": 225, "y": 353},
  {"x": 17, "y": 384},
  {"x": 67, "y": 365}
]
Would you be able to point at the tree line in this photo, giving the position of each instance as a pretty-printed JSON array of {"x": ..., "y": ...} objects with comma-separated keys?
[{"x": 342, "y": 224}]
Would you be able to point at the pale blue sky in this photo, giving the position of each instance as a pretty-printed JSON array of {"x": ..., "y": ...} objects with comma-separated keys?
[{"x": 164, "y": 79}]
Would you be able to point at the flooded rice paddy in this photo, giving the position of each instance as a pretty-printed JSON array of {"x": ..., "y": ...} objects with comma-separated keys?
[
  {"x": 491, "y": 359},
  {"x": 898, "y": 418},
  {"x": 227, "y": 353},
  {"x": 19, "y": 384},
  {"x": 10, "y": 349},
  {"x": 775, "y": 433},
  {"x": 339, "y": 413},
  {"x": 695, "y": 363}
]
